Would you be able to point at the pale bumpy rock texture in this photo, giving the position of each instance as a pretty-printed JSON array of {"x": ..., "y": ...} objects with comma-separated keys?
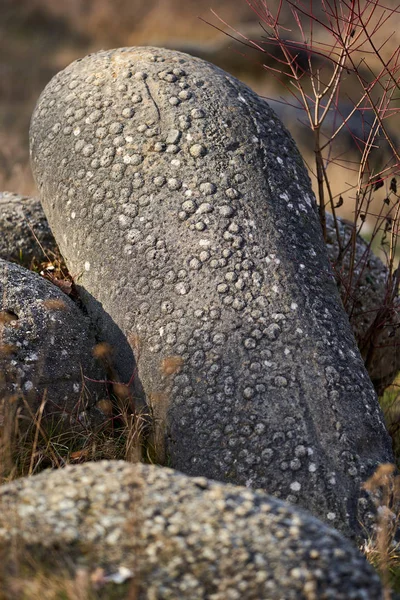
[
  {"x": 366, "y": 296},
  {"x": 24, "y": 231},
  {"x": 22, "y": 220},
  {"x": 45, "y": 348},
  {"x": 182, "y": 537},
  {"x": 184, "y": 204}
]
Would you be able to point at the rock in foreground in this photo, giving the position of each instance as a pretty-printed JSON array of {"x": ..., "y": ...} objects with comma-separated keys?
[
  {"x": 182, "y": 537},
  {"x": 183, "y": 203}
]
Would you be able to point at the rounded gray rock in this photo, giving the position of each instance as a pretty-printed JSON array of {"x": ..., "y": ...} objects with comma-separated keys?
[
  {"x": 241, "y": 344},
  {"x": 25, "y": 234},
  {"x": 46, "y": 346},
  {"x": 182, "y": 537},
  {"x": 366, "y": 297}
]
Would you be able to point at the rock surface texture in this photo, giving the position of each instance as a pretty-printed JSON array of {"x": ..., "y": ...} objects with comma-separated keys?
[
  {"x": 365, "y": 298},
  {"x": 184, "y": 204},
  {"x": 45, "y": 347},
  {"x": 23, "y": 226},
  {"x": 24, "y": 230},
  {"x": 182, "y": 537}
]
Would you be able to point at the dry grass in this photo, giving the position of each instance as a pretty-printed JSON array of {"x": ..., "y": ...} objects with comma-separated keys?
[
  {"x": 27, "y": 574},
  {"x": 383, "y": 549}
]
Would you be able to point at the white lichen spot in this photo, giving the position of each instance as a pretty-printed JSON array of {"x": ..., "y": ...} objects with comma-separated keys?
[
  {"x": 87, "y": 266},
  {"x": 175, "y": 162},
  {"x": 73, "y": 215},
  {"x": 284, "y": 196},
  {"x": 77, "y": 131},
  {"x": 287, "y": 351},
  {"x": 295, "y": 486},
  {"x": 308, "y": 199},
  {"x": 293, "y": 306},
  {"x": 161, "y": 330},
  {"x": 28, "y": 385},
  {"x": 299, "y": 331},
  {"x": 242, "y": 99},
  {"x": 204, "y": 243},
  {"x": 182, "y": 288},
  {"x": 76, "y": 387},
  {"x": 255, "y": 139},
  {"x": 280, "y": 161},
  {"x": 275, "y": 289},
  {"x": 312, "y": 467},
  {"x": 189, "y": 137},
  {"x": 331, "y": 516},
  {"x": 188, "y": 193},
  {"x": 302, "y": 266}
]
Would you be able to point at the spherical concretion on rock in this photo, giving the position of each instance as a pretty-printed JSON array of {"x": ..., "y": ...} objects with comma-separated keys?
[
  {"x": 208, "y": 248},
  {"x": 25, "y": 234},
  {"x": 45, "y": 349},
  {"x": 183, "y": 537}
]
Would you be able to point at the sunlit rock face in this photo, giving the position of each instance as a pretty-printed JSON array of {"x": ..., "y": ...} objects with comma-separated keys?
[{"x": 183, "y": 205}]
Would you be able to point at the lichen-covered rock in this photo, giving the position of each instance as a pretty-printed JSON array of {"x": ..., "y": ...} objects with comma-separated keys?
[
  {"x": 45, "y": 348},
  {"x": 182, "y": 537},
  {"x": 24, "y": 230},
  {"x": 183, "y": 203},
  {"x": 23, "y": 224},
  {"x": 365, "y": 295}
]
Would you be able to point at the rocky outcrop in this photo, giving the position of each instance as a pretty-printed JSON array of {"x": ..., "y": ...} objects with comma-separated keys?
[
  {"x": 46, "y": 350},
  {"x": 180, "y": 537},
  {"x": 184, "y": 204},
  {"x": 25, "y": 234}
]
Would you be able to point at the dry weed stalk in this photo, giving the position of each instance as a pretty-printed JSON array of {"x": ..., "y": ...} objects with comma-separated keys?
[{"x": 329, "y": 58}]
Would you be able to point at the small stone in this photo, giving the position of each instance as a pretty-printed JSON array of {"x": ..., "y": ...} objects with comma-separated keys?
[{"x": 198, "y": 150}]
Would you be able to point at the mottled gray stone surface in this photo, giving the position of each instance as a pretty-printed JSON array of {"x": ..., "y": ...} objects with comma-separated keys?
[
  {"x": 24, "y": 230},
  {"x": 45, "y": 347},
  {"x": 22, "y": 220},
  {"x": 183, "y": 537},
  {"x": 366, "y": 295},
  {"x": 184, "y": 204}
]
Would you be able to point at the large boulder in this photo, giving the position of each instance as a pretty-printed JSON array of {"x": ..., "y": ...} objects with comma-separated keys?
[
  {"x": 180, "y": 537},
  {"x": 46, "y": 350},
  {"x": 25, "y": 235},
  {"x": 180, "y": 199}
]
